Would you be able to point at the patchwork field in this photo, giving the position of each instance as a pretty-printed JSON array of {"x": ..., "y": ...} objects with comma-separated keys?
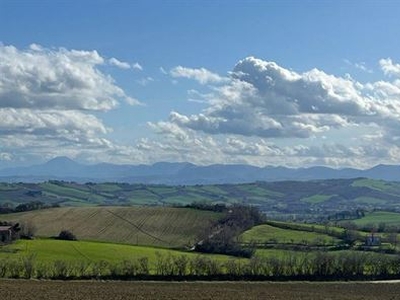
[
  {"x": 74, "y": 290},
  {"x": 138, "y": 225},
  {"x": 308, "y": 200}
]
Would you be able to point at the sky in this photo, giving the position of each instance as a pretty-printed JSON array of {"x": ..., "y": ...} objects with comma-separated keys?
[{"x": 283, "y": 83}]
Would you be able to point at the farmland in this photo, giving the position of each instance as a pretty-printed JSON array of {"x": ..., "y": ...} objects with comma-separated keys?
[
  {"x": 79, "y": 290},
  {"x": 284, "y": 251},
  {"x": 127, "y": 241},
  {"x": 307, "y": 200},
  {"x": 139, "y": 225}
]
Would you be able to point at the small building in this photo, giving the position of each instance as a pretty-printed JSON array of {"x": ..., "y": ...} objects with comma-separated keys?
[
  {"x": 372, "y": 240},
  {"x": 8, "y": 233}
]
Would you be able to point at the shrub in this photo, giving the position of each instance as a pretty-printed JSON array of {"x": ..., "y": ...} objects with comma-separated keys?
[{"x": 66, "y": 235}]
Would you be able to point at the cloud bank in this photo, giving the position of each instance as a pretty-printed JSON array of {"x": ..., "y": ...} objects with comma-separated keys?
[
  {"x": 263, "y": 100},
  {"x": 49, "y": 97},
  {"x": 261, "y": 113}
]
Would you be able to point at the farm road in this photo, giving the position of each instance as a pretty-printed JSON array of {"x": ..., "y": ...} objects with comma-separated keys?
[{"x": 79, "y": 290}]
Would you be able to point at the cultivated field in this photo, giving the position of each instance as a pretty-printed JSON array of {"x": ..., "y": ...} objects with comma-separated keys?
[
  {"x": 80, "y": 290},
  {"x": 154, "y": 226}
]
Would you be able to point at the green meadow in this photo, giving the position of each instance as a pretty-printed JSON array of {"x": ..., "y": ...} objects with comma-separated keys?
[
  {"x": 267, "y": 233},
  {"x": 376, "y": 217},
  {"x": 51, "y": 250}
]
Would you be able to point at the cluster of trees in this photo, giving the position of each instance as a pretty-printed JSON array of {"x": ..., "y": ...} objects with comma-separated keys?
[
  {"x": 322, "y": 265},
  {"x": 66, "y": 235},
  {"x": 202, "y": 205},
  {"x": 347, "y": 215},
  {"x": 222, "y": 237},
  {"x": 32, "y": 205}
]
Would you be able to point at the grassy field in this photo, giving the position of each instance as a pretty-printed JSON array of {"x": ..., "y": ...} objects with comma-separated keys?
[
  {"x": 379, "y": 185},
  {"x": 308, "y": 227},
  {"x": 369, "y": 201},
  {"x": 389, "y": 218},
  {"x": 140, "y": 225},
  {"x": 50, "y": 250},
  {"x": 267, "y": 233},
  {"x": 79, "y": 290}
]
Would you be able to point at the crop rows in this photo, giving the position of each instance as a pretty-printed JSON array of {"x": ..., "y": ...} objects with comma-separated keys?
[
  {"x": 82, "y": 290},
  {"x": 156, "y": 226}
]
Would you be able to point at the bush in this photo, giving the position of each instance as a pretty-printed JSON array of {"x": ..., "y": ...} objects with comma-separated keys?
[{"x": 66, "y": 235}]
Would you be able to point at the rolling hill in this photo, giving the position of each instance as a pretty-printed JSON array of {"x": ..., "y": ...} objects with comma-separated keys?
[
  {"x": 304, "y": 199},
  {"x": 152, "y": 226}
]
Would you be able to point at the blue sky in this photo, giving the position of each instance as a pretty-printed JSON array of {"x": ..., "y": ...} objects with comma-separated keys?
[{"x": 295, "y": 83}]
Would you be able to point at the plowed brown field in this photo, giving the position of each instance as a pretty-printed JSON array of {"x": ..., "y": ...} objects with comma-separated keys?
[{"x": 77, "y": 290}]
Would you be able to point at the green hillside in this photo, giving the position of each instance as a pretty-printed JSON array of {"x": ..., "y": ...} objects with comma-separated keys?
[
  {"x": 271, "y": 234},
  {"x": 377, "y": 217},
  {"x": 50, "y": 250},
  {"x": 307, "y": 200},
  {"x": 155, "y": 226}
]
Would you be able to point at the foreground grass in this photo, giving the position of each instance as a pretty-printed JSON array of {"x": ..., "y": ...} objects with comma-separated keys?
[
  {"x": 52, "y": 259},
  {"x": 79, "y": 290},
  {"x": 49, "y": 251}
]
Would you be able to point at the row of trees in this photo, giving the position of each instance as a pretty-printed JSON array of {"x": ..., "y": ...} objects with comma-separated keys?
[
  {"x": 31, "y": 205},
  {"x": 321, "y": 265}
]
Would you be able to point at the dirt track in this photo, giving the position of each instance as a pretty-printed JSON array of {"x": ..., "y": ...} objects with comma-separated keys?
[{"x": 59, "y": 290}]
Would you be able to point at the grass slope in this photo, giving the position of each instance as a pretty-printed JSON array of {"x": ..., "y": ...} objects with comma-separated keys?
[
  {"x": 267, "y": 233},
  {"x": 49, "y": 251},
  {"x": 155, "y": 226},
  {"x": 389, "y": 218}
]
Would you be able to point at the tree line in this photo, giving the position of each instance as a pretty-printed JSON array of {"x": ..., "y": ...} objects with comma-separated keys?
[
  {"x": 29, "y": 206},
  {"x": 316, "y": 266}
]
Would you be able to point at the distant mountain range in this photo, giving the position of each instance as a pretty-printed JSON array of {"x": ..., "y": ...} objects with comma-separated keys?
[{"x": 63, "y": 168}]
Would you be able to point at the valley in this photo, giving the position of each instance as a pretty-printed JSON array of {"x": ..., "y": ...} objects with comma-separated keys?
[{"x": 314, "y": 230}]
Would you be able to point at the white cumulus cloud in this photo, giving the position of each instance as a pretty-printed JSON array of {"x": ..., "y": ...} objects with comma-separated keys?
[
  {"x": 389, "y": 68},
  {"x": 119, "y": 64},
  {"x": 201, "y": 75},
  {"x": 64, "y": 79},
  {"x": 266, "y": 100},
  {"x": 341, "y": 121},
  {"x": 49, "y": 98}
]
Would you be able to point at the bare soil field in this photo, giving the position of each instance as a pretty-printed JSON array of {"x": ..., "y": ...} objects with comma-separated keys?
[{"x": 77, "y": 290}]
